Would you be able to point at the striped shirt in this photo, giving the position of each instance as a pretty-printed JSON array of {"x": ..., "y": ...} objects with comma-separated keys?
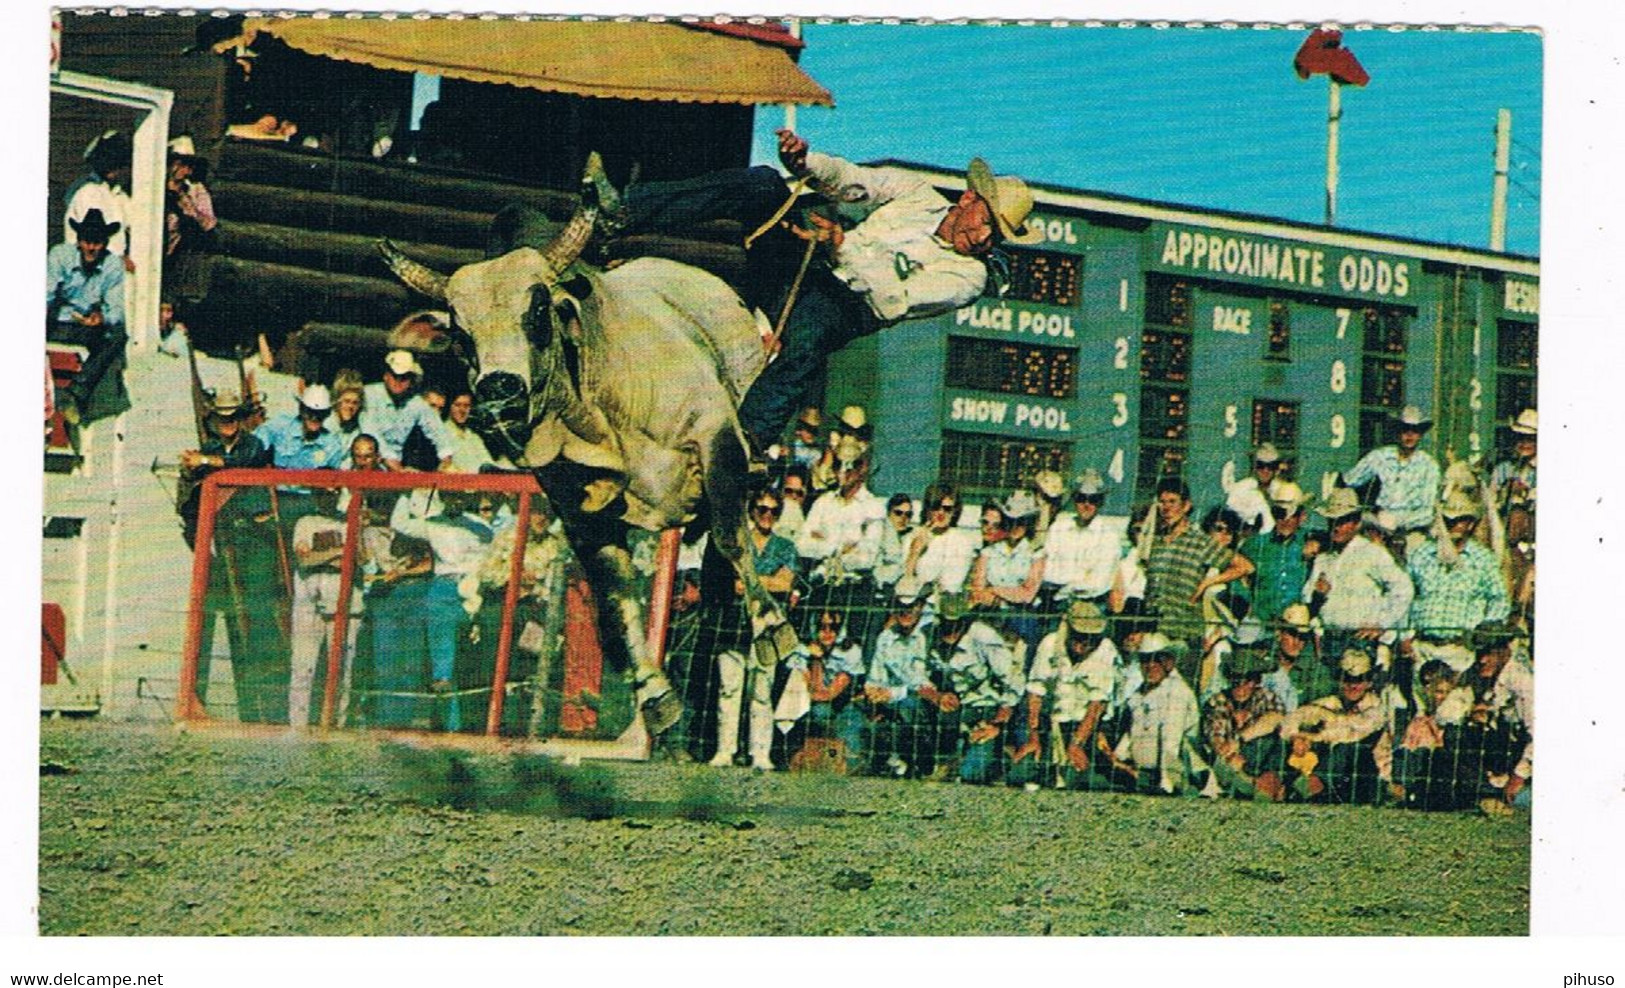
[
  {"x": 1410, "y": 485},
  {"x": 1451, "y": 599},
  {"x": 1177, "y": 565}
]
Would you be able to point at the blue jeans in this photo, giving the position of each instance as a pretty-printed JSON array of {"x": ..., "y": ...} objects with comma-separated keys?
[
  {"x": 445, "y": 617},
  {"x": 396, "y": 614},
  {"x": 847, "y": 725},
  {"x": 985, "y": 762}
]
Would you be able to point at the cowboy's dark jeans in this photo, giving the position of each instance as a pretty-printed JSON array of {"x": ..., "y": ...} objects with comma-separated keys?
[
  {"x": 826, "y": 315},
  {"x": 104, "y": 343}
]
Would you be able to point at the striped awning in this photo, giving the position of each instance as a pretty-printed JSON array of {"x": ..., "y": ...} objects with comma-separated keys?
[{"x": 635, "y": 60}]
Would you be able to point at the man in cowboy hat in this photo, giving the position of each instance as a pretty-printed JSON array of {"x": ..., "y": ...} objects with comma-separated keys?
[
  {"x": 1339, "y": 746},
  {"x": 394, "y": 409},
  {"x": 841, "y": 535},
  {"x": 1514, "y": 478},
  {"x": 84, "y": 305},
  {"x": 106, "y": 189},
  {"x": 853, "y": 423},
  {"x": 1410, "y": 475},
  {"x": 1281, "y": 553},
  {"x": 1298, "y": 675},
  {"x": 1156, "y": 752},
  {"x": 1499, "y": 734},
  {"x": 1081, "y": 552},
  {"x": 982, "y": 671},
  {"x": 1081, "y": 677},
  {"x": 901, "y": 698},
  {"x": 228, "y": 445},
  {"x": 1458, "y": 587},
  {"x": 189, "y": 218},
  {"x": 1240, "y": 726},
  {"x": 1355, "y": 587},
  {"x": 894, "y": 249},
  {"x": 1249, "y": 496}
]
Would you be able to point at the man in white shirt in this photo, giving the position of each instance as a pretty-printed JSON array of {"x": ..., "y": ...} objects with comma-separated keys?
[
  {"x": 1249, "y": 496},
  {"x": 1081, "y": 552},
  {"x": 1157, "y": 753},
  {"x": 1357, "y": 589},
  {"x": 841, "y": 536}
]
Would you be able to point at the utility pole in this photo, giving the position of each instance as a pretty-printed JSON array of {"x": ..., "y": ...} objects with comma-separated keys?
[
  {"x": 1498, "y": 198},
  {"x": 1334, "y": 115}
]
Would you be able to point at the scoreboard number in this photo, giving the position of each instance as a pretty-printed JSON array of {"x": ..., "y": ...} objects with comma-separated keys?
[
  {"x": 1343, "y": 322},
  {"x": 1230, "y": 423},
  {"x": 1120, "y": 361},
  {"x": 1340, "y": 377},
  {"x": 1475, "y": 401},
  {"x": 1115, "y": 471},
  {"x": 1120, "y": 417},
  {"x": 1339, "y": 430}
]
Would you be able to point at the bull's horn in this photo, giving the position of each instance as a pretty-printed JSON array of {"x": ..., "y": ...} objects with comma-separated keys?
[
  {"x": 417, "y": 276},
  {"x": 564, "y": 250}
]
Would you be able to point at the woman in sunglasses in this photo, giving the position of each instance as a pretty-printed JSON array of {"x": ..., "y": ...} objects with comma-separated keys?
[{"x": 940, "y": 553}]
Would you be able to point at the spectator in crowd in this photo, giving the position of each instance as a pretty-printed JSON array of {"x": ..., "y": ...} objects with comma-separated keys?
[
  {"x": 394, "y": 410},
  {"x": 1281, "y": 554},
  {"x": 940, "y": 554},
  {"x": 983, "y": 671},
  {"x": 1048, "y": 488},
  {"x": 1224, "y": 527},
  {"x": 805, "y": 448},
  {"x": 1249, "y": 497},
  {"x": 1459, "y": 586},
  {"x": 229, "y": 445},
  {"x": 1299, "y": 674},
  {"x": 1339, "y": 746},
  {"x": 1183, "y": 563},
  {"x": 1240, "y": 726},
  {"x": 1499, "y": 735},
  {"x": 1427, "y": 761},
  {"x": 897, "y": 250},
  {"x": 834, "y": 669},
  {"x": 467, "y": 450},
  {"x": 904, "y": 704},
  {"x": 458, "y": 540},
  {"x": 893, "y": 541},
  {"x": 1081, "y": 553},
  {"x": 1008, "y": 571},
  {"x": 1156, "y": 751},
  {"x": 842, "y": 531},
  {"x": 1409, "y": 475},
  {"x": 1355, "y": 587},
  {"x": 189, "y": 219},
  {"x": 398, "y": 569},
  {"x": 1514, "y": 478},
  {"x": 795, "y": 488},
  {"x": 84, "y": 306},
  {"x": 1074, "y": 673},
  {"x": 435, "y": 398},
  {"x": 104, "y": 189},
  {"x": 775, "y": 564},
  {"x": 854, "y": 423},
  {"x": 300, "y": 440},
  {"x": 349, "y": 403},
  {"x": 318, "y": 547}
]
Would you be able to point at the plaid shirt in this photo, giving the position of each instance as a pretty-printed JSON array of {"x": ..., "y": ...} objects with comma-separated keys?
[
  {"x": 1177, "y": 565},
  {"x": 1219, "y": 725},
  {"x": 1410, "y": 487},
  {"x": 1451, "y": 599},
  {"x": 1281, "y": 572}
]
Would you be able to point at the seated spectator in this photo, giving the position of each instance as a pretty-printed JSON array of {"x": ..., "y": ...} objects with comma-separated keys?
[
  {"x": 349, "y": 404},
  {"x": 300, "y": 440},
  {"x": 1339, "y": 747},
  {"x": 902, "y": 700},
  {"x": 84, "y": 306},
  {"x": 940, "y": 553},
  {"x": 1008, "y": 570},
  {"x": 318, "y": 548},
  {"x": 394, "y": 411},
  {"x": 1427, "y": 760},
  {"x": 104, "y": 189},
  {"x": 1299, "y": 674},
  {"x": 1240, "y": 727},
  {"x": 983, "y": 671},
  {"x": 842, "y": 531},
  {"x": 834, "y": 669},
  {"x": 794, "y": 489},
  {"x": 892, "y": 545},
  {"x": 468, "y": 452},
  {"x": 189, "y": 219},
  {"x": 804, "y": 447},
  {"x": 1498, "y": 737},
  {"x": 853, "y": 424},
  {"x": 1156, "y": 753},
  {"x": 1074, "y": 674},
  {"x": 775, "y": 564},
  {"x": 1081, "y": 553}
]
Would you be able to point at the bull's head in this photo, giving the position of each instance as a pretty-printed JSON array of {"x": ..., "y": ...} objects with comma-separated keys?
[{"x": 518, "y": 318}]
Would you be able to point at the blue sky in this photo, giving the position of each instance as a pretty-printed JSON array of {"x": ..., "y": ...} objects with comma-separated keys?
[{"x": 1209, "y": 117}]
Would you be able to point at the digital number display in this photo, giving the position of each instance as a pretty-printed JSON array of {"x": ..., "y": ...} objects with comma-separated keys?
[
  {"x": 1385, "y": 331},
  {"x": 1162, "y": 414},
  {"x": 1165, "y": 356},
  {"x": 1276, "y": 422},
  {"x": 1383, "y": 383},
  {"x": 1515, "y": 344},
  {"x": 992, "y": 466},
  {"x": 1167, "y": 301},
  {"x": 1011, "y": 368},
  {"x": 1044, "y": 276}
]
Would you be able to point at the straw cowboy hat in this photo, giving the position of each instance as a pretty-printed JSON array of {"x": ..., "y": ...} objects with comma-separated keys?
[
  {"x": 1411, "y": 417},
  {"x": 1089, "y": 484},
  {"x": 1009, "y": 199},
  {"x": 1525, "y": 423}
]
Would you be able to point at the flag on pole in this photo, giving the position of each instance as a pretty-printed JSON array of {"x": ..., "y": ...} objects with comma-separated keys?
[{"x": 1323, "y": 52}]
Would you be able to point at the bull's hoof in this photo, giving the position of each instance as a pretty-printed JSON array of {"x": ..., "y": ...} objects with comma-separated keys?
[{"x": 775, "y": 645}]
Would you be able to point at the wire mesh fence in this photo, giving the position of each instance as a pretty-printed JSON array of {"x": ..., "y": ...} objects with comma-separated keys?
[{"x": 467, "y": 614}]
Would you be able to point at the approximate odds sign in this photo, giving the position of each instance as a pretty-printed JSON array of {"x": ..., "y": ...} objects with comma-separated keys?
[{"x": 1279, "y": 263}]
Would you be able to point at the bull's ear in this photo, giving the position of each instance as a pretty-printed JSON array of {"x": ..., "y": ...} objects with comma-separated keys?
[{"x": 538, "y": 323}]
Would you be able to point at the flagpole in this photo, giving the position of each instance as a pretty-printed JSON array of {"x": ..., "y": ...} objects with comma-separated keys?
[{"x": 1334, "y": 114}]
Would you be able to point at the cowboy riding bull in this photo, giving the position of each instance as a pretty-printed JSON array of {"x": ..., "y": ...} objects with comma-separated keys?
[{"x": 619, "y": 389}]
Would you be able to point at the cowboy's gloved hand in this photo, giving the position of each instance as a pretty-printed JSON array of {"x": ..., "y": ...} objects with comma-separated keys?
[{"x": 792, "y": 151}]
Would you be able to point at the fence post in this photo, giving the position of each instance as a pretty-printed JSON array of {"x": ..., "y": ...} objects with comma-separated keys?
[
  {"x": 188, "y": 705},
  {"x": 341, "y": 613},
  {"x": 510, "y": 600}
]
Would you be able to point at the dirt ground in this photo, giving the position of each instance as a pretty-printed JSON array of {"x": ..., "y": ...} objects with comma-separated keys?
[{"x": 148, "y": 830}]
